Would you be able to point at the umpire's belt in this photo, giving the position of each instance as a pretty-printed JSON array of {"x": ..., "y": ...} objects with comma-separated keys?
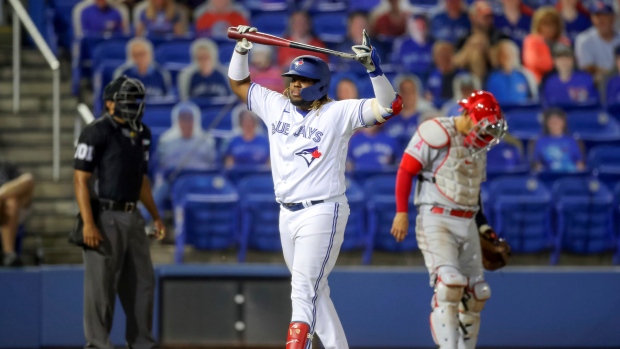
[
  {"x": 296, "y": 206},
  {"x": 455, "y": 213},
  {"x": 112, "y": 205}
]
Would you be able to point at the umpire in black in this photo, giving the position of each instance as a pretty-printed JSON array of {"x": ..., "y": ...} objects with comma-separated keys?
[{"x": 116, "y": 252}]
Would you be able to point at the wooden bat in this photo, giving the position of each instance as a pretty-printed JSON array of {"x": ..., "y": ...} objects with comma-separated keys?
[{"x": 266, "y": 39}]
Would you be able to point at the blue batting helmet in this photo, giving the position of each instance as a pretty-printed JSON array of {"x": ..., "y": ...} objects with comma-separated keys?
[{"x": 313, "y": 68}]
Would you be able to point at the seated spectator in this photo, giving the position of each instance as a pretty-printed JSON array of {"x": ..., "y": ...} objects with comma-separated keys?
[
  {"x": 508, "y": 82},
  {"x": 515, "y": 20},
  {"x": 402, "y": 128},
  {"x": 203, "y": 77},
  {"x": 390, "y": 23},
  {"x": 99, "y": 17},
  {"x": 481, "y": 18},
  {"x": 300, "y": 30},
  {"x": 140, "y": 65},
  {"x": 463, "y": 85},
  {"x": 546, "y": 33},
  {"x": 346, "y": 89},
  {"x": 575, "y": 17},
  {"x": 595, "y": 47},
  {"x": 372, "y": 149},
  {"x": 356, "y": 23},
  {"x": 263, "y": 70},
  {"x": 452, "y": 23},
  {"x": 439, "y": 83},
  {"x": 413, "y": 53},
  {"x": 16, "y": 191},
  {"x": 568, "y": 86},
  {"x": 248, "y": 148},
  {"x": 475, "y": 56},
  {"x": 160, "y": 18},
  {"x": 215, "y": 16},
  {"x": 556, "y": 150},
  {"x": 612, "y": 84}
]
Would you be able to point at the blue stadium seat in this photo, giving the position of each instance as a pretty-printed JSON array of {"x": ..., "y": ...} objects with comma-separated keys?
[
  {"x": 157, "y": 117},
  {"x": 156, "y": 133},
  {"x": 330, "y": 26},
  {"x": 550, "y": 177},
  {"x": 225, "y": 51},
  {"x": 505, "y": 159},
  {"x": 259, "y": 6},
  {"x": 238, "y": 172},
  {"x": 206, "y": 213},
  {"x": 110, "y": 51},
  {"x": 605, "y": 160},
  {"x": 260, "y": 215},
  {"x": 363, "y": 5},
  {"x": 83, "y": 57},
  {"x": 361, "y": 175},
  {"x": 616, "y": 259},
  {"x": 174, "y": 55},
  {"x": 217, "y": 119},
  {"x": 522, "y": 212},
  {"x": 273, "y": 23},
  {"x": 355, "y": 234},
  {"x": 103, "y": 74},
  {"x": 584, "y": 209},
  {"x": 593, "y": 125},
  {"x": 487, "y": 204},
  {"x": 63, "y": 20},
  {"x": 381, "y": 206},
  {"x": 524, "y": 123},
  {"x": 319, "y": 6}
]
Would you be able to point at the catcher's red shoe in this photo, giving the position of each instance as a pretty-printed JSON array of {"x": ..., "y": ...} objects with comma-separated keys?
[{"x": 298, "y": 335}]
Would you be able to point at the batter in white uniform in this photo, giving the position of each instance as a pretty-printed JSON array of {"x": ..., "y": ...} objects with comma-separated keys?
[
  {"x": 309, "y": 135},
  {"x": 449, "y": 157}
]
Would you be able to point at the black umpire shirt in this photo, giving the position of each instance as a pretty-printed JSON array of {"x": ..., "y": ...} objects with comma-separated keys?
[{"x": 119, "y": 154}]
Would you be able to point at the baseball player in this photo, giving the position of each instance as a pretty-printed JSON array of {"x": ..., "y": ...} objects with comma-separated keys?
[
  {"x": 448, "y": 155},
  {"x": 308, "y": 136}
]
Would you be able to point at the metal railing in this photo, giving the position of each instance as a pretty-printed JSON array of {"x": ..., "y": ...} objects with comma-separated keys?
[
  {"x": 85, "y": 117},
  {"x": 20, "y": 16}
]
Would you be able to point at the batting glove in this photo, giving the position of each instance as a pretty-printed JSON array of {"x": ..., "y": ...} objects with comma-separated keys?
[
  {"x": 244, "y": 45},
  {"x": 368, "y": 56}
]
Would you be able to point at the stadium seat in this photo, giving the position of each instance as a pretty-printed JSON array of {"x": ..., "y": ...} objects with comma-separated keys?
[
  {"x": 157, "y": 117},
  {"x": 82, "y": 58},
  {"x": 584, "y": 208},
  {"x": 225, "y": 51},
  {"x": 319, "y": 6},
  {"x": 330, "y": 26},
  {"x": 363, "y": 5},
  {"x": 522, "y": 212},
  {"x": 205, "y": 213},
  {"x": 487, "y": 204},
  {"x": 156, "y": 133},
  {"x": 550, "y": 177},
  {"x": 505, "y": 159},
  {"x": 218, "y": 120},
  {"x": 355, "y": 234},
  {"x": 63, "y": 20},
  {"x": 174, "y": 56},
  {"x": 524, "y": 123},
  {"x": 616, "y": 259},
  {"x": 273, "y": 23},
  {"x": 593, "y": 125},
  {"x": 381, "y": 206},
  {"x": 260, "y": 215},
  {"x": 103, "y": 74},
  {"x": 110, "y": 51},
  {"x": 238, "y": 172},
  {"x": 260, "y": 6},
  {"x": 605, "y": 162},
  {"x": 361, "y": 175}
]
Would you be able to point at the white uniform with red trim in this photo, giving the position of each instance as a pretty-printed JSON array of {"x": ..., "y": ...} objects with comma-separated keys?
[{"x": 447, "y": 199}]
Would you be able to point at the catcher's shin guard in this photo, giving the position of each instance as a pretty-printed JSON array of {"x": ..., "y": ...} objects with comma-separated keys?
[
  {"x": 444, "y": 317},
  {"x": 469, "y": 313},
  {"x": 299, "y": 336}
]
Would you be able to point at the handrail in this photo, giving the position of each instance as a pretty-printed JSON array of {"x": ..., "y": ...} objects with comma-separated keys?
[{"x": 20, "y": 14}]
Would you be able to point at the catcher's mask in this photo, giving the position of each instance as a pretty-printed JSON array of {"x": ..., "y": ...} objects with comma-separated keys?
[
  {"x": 128, "y": 96},
  {"x": 489, "y": 124}
]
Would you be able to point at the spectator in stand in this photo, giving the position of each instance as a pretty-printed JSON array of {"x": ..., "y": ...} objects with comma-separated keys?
[
  {"x": 215, "y": 16},
  {"x": 346, "y": 89},
  {"x": 575, "y": 17},
  {"x": 160, "y": 18},
  {"x": 300, "y": 30},
  {"x": 612, "y": 84},
  {"x": 515, "y": 20},
  {"x": 372, "y": 149},
  {"x": 568, "y": 86},
  {"x": 263, "y": 70},
  {"x": 595, "y": 47},
  {"x": 203, "y": 77},
  {"x": 481, "y": 18},
  {"x": 391, "y": 23},
  {"x": 545, "y": 35},
  {"x": 140, "y": 65},
  {"x": 439, "y": 83},
  {"x": 509, "y": 83},
  {"x": 16, "y": 191},
  {"x": 475, "y": 55},
  {"x": 249, "y": 148},
  {"x": 356, "y": 23},
  {"x": 463, "y": 86},
  {"x": 402, "y": 129},
  {"x": 99, "y": 17},
  {"x": 452, "y": 23},
  {"x": 413, "y": 53},
  {"x": 556, "y": 150}
]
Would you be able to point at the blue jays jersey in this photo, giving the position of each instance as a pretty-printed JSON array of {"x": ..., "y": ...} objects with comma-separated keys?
[{"x": 308, "y": 149}]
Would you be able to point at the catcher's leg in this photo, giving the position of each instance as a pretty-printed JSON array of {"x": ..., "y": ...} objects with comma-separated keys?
[
  {"x": 470, "y": 307},
  {"x": 444, "y": 318}
]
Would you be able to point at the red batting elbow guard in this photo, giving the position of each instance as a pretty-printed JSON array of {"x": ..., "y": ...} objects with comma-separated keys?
[{"x": 409, "y": 167}]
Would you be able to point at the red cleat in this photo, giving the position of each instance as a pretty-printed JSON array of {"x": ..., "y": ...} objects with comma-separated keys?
[{"x": 298, "y": 335}]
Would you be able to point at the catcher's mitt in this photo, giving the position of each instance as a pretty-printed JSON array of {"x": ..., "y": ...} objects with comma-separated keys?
[{"x": 495, "y": 251}]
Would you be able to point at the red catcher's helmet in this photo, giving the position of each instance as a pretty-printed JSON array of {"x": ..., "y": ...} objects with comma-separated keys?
[{"x": 489, "y": 124}]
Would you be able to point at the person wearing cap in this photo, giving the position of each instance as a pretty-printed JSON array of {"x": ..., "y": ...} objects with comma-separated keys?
[
  {"x": 482, "y": 22},
  {"x": 594, "y": 48},
  {"x": 115, "y": 245},
  {"x": 567, "y": 86}
]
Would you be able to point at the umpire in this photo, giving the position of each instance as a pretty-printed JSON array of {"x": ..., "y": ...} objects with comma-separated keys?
[{"x": 116, "y": 247}]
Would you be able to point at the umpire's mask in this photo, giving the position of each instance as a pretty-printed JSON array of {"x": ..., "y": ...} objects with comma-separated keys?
[{"x": 128, "y": 96}]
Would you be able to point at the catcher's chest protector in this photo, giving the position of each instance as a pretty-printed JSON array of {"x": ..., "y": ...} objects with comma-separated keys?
[{"x": 459, "y": 175}]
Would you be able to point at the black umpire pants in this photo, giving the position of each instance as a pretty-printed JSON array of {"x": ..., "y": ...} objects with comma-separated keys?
[{"x": 121, "y": 265}]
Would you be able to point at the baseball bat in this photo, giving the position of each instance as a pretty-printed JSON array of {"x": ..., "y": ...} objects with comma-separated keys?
[{"x": 271, "y": 40}]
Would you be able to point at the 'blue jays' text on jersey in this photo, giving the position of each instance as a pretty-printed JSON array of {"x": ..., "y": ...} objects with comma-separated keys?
[{"x": 308, "y": 150}]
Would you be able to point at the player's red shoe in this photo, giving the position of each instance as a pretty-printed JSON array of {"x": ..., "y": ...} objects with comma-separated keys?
[{"x": 298, "y": 335}]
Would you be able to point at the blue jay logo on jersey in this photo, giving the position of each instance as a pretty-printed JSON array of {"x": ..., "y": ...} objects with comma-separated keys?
[
  {"x": 309, "y": 154},
  {"x": 298, "y": 63}
]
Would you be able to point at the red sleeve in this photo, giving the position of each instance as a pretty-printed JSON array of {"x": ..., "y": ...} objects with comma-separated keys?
[{"x": 409, "y": 167}]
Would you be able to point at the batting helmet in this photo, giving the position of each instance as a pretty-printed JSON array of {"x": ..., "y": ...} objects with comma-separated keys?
[
  {"x": 489, "y": 124},
  {"x": 128, "y": 96},
  {"x": 313, "y": 68}
]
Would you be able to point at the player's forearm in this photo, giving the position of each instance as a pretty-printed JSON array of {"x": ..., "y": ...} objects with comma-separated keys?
[
  {"x": 384, "y": 92},
  {"x": 146, "y": 197},
  {"x": 239, "y": 75},
  {"x": 82, "y": 195}
]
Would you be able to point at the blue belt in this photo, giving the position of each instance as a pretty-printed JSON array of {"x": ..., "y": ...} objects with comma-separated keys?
[{"x": 296, "y": 206}]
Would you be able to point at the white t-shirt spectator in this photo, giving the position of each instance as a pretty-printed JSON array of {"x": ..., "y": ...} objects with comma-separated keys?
[{"x": 592, "y": 50}]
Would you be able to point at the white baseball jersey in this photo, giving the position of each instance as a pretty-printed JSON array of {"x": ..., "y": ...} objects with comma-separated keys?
[{"x": 308, "y": 149}]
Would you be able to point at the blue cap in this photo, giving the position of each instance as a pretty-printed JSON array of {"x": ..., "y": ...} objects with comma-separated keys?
[{"x": 601, "y": 7}]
